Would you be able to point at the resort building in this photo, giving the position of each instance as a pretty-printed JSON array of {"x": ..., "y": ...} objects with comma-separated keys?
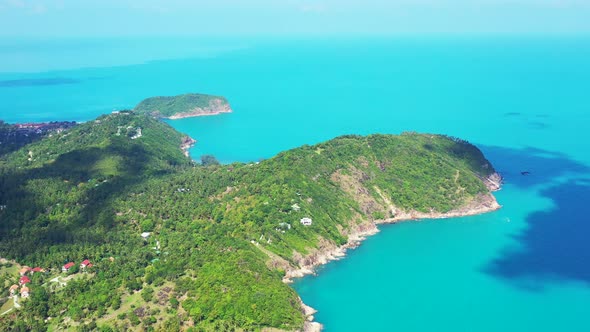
[
  {"x": 24, "y": 270},
  {"x": 37, "y": 269},
  {"x": 306, "y": 221},
  {"x": 67, "y": 267},
  {"x": 24, "y": 292},
  {"x": 24, "y": 280},
  {"x": 86, "y": 263}
]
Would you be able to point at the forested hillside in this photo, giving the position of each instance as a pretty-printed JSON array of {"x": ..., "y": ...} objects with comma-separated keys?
[{"x": 220, "y": 237}]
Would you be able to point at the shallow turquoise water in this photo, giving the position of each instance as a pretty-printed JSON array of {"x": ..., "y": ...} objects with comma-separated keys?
[{"x": 523, "y": 101}]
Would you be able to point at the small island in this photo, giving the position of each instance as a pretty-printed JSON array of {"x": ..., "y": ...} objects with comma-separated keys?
[{"x": 183, "y": 106}]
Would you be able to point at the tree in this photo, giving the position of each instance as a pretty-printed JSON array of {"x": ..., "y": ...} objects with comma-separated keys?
[
  {"x": 147, "y": 225},
  {"x": 37, "y": 305},
  {"x": 209, "y": 160},
  {"x": 174, "y": 302},
  {"x": 147, "y": 294}
]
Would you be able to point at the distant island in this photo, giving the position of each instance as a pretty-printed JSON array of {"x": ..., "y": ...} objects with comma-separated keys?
[
  {"x": 108, "y": 226},
  {"x": 183, "y": 106}
]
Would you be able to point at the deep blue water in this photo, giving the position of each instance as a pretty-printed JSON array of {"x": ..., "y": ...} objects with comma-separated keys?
[{"x": 524, "y": 101}]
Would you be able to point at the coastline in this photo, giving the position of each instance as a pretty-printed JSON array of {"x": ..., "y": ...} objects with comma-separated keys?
[
  {"x": 187, "y": 143},
  {"x": 197, "y": 113},
  {"x": 216, "y": 107},
  {"x": 328, "y": 251}
]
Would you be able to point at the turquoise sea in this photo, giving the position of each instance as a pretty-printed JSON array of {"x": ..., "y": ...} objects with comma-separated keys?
[{"x": 524, "y": 101}]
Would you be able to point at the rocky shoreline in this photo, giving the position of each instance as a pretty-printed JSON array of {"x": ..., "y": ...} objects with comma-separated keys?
[
  {"x": 328, "y": 251},
  {"x": 216, "y": 107},
  {"x": 187, "y": 143}
]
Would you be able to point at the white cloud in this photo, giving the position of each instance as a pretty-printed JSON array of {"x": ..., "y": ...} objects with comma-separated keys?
[
  {"x": 38, "y": 8},
  {"x": 13, "y": 3},
  {"x": 26, "y": 6}
]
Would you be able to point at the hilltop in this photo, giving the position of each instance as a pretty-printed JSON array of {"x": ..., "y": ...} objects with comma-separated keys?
[
  {"x": 183, "y": 106},
  {"x": 218, "y": 241}
]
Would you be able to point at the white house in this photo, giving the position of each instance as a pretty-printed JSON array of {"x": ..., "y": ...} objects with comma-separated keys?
[
  {"x": 145, "y": 235},
  {"x": 306, "y": 221}
]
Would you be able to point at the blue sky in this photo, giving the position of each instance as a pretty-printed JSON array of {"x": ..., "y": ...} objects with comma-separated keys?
[{"x": 291, "y": 17}]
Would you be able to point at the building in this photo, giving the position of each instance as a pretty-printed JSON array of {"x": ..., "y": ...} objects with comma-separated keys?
[
  {"x": 145, "y": 235},
  {"x": 24, "y": 270},
  {"x": 13, "y": 289},
  {"x": 37, "y": 269},
  {"x": 24, "y": 292},
  {"x": 67, "y": 267},
  {"x": 24, "y": 280},
  {"x": 306, "y": 221},
  {"x": 86, "y": 263}
]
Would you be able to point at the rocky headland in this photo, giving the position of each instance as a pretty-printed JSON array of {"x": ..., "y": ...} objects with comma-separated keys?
[{"x": 183, "y": 106}]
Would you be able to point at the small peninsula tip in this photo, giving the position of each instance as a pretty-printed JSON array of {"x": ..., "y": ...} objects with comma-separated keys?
[{"x": 183, "y": 106}]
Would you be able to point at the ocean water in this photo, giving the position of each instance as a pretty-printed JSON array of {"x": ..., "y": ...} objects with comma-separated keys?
[{"x": 524, "y": 101}]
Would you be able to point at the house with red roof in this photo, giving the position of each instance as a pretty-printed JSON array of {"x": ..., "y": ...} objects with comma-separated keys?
[
  {"x": 86, "y": 263},
  {"x": 24, "y": 280},
  {"x": 67, "y": 267},
  {"x": 38, "y": 269}
]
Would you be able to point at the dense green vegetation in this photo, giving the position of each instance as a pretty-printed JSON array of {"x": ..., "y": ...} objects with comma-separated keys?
[
  {"x": 90, "y": 192},
  {"x": 169, "y": 106}
]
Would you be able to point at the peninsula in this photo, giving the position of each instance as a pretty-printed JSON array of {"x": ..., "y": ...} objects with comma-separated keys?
[
  {"x": 183, "y": 106},
  {"x": 108, "y": 225}
]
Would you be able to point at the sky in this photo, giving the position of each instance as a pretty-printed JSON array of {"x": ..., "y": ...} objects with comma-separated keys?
[{"x": 108, "y": 18}]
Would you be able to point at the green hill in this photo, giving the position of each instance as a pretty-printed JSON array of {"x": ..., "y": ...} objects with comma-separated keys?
[
  {"x": 182, "y": 106},
  {"x": 221, "y": 237}
]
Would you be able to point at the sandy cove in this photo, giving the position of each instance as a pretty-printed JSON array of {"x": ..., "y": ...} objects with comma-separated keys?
[{"x": 328, "y": 251}]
